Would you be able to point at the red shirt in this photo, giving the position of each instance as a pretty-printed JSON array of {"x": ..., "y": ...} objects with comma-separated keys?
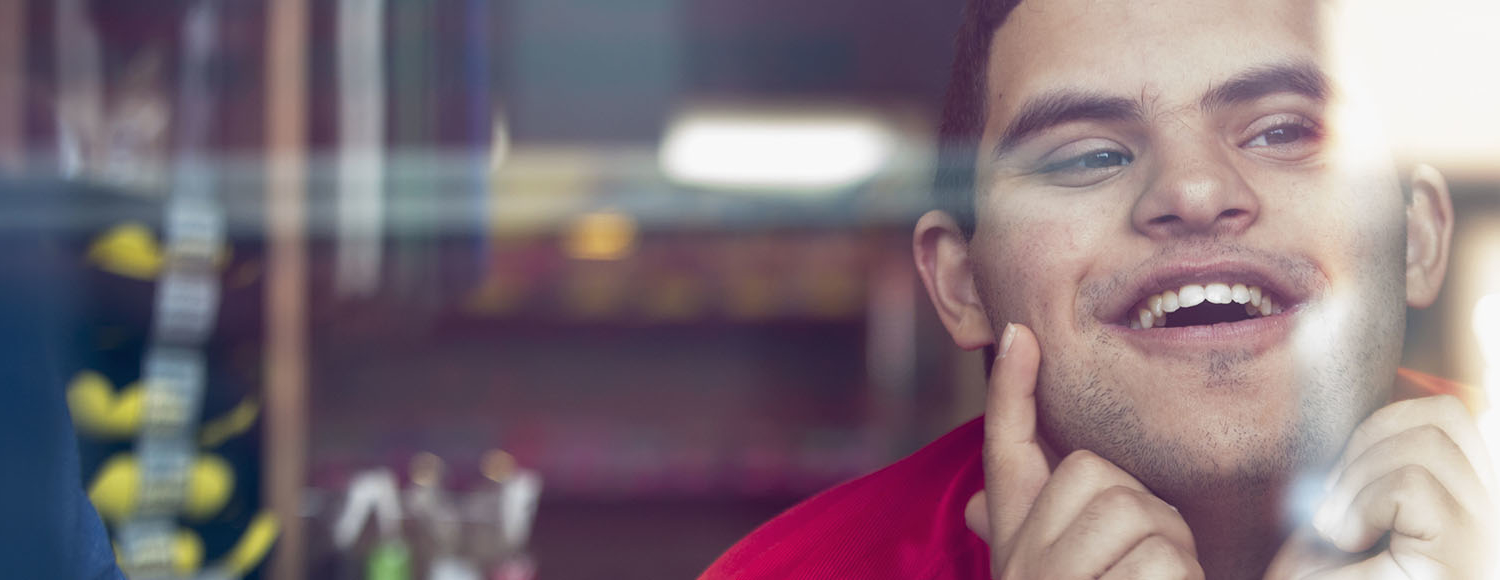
[{"x": 906, "y": 521}]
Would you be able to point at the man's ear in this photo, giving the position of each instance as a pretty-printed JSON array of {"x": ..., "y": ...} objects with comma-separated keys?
[
  {"x": 942, "y": 253},
  {"x": 1429, "y": 230}
]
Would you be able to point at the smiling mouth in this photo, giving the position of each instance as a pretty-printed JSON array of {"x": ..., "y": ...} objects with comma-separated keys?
[{"x": 1202, "y": 305}]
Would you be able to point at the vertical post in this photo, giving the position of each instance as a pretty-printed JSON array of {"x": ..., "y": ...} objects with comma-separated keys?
[
  {"x": 286, "y": 280},
  {"x": 890, "y": 348},
  {"x": 361, "y": 147},
  {"x": 13, "y": 85}
]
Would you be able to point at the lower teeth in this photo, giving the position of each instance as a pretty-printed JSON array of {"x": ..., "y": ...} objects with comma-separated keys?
[{"x": 1252, "y": 311}]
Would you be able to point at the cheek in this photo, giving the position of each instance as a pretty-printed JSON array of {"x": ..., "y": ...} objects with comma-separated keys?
[
  {"x": 1353, "y": 223},
  {"x": 1029, "y": 269},
  {"x": 1368, "y": 240},
  {"x": 1362, "y": 254}
]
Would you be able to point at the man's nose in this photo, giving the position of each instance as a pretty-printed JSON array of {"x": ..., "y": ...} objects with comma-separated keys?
[{"x": 1195, "y": 189}]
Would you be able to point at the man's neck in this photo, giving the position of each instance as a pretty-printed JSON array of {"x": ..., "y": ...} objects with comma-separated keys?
[{"x": 1236, "y": 538}]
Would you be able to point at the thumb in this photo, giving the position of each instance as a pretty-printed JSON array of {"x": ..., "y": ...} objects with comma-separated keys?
[
  {"x": 977, "y": 515},
  {"x": 1015, "y": 467}
]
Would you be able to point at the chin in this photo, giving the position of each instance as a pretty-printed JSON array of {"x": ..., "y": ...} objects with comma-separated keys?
[{"x": 1252, "y": 435}]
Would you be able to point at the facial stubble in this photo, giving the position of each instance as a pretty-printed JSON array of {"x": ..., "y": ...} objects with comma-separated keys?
[{"x": 1083, "y": 405}]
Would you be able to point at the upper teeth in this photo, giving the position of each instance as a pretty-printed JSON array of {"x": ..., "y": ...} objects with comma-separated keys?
[{"x": 1153, "y": 311}]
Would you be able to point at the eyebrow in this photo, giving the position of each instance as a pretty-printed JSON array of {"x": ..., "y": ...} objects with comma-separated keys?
[
  {"x": 1065, "y": 106},
  {"x": 1060, "y": 107},
  {"x": 1298, "y": 77}
]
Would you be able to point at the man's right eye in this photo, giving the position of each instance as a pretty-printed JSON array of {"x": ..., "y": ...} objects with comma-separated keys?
[
  {"x": 1088, "y": 168},
  {"x": 1105, "y": 159}
]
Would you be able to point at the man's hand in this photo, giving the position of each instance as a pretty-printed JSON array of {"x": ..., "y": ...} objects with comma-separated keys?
[
  {"x": 1416, "y": 471},
  {"x": 1087, "y": 519}
]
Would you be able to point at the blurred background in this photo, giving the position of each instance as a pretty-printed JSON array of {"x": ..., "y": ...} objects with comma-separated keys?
[{"x": 538, "y": 288}]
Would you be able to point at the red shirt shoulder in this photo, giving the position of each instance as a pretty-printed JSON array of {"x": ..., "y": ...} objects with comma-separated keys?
[{"x": 905, "y": 522}]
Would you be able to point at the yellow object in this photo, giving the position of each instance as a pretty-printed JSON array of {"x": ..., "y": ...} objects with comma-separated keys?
[
  {"x": 601, "y": 236},
  {"x": 210, "y": 483},
  {"x": 253, "y": 546},
  {"x": 236, "y": 421},
  {"x": 129, "y": 250},
  {"x": 99, "y": 411},
  {"x": 187, "y": 552},
  {"x": 117, "y": 486}
]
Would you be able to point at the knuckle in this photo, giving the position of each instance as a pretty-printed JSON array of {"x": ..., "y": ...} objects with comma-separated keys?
[
  {"x": 1167, "y": 559},
  {"x": 1061, "y": 566},
  {"x": 1119, "y": 499},
  {"x": 1433, "y": 438},
  {"x": 1429, "y": 431},
  {"x": 1158, "y": 548},
  {"x": 1448, "y": 404},
  {"x": 1084, "y": 464},
  {"x": 1389, "y": 417},
  {"x": 1413, "y": 475},
  {"x": 1426, "y": 409},
  {"x": 1016, "y": 568},
  {"x": 1080, "y": 457},
  {"x": 1410, "y": 482}
]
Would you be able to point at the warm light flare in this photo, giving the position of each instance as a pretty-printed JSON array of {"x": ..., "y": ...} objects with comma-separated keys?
[{"x": 1487, "y": 331}]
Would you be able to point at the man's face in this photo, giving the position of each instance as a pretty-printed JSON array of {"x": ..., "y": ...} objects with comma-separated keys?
[{"x": 1131, "y": 150}]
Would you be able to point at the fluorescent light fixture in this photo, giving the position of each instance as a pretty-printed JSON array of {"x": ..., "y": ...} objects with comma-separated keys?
[{"x": 771, "y": 151}]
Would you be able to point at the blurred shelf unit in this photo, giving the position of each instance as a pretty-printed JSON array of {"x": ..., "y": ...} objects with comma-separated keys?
[{"x": 737, "y": 277}]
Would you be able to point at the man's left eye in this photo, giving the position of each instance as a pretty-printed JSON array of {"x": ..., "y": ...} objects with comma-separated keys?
[{"x": 1285, "y": 134}]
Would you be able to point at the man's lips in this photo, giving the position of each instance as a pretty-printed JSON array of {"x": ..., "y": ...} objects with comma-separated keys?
[
  {"x": 1245, "y": 305},
  {"x": 1252, "y": 335},
  {"x": 1188, "y": 294},
  {"x": 1203, "y": 304}
]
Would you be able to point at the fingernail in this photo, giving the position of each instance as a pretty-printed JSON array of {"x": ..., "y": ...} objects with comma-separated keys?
[{"x": 1006, "y": 338}]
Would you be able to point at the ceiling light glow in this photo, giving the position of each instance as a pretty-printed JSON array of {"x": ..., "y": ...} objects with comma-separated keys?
[{"x": 776, "y": 151}]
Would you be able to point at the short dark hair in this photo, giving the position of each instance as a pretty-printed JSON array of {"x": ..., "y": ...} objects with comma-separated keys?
[{"x": 964, "y": 109}]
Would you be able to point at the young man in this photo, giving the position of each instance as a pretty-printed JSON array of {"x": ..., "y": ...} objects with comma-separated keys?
[{"x": 1194, "y": 264}]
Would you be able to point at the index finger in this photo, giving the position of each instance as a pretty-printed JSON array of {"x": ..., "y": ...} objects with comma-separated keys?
[
  {"x": 1445, "y": 412},
  {"x": 1015, "y": 467}
]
